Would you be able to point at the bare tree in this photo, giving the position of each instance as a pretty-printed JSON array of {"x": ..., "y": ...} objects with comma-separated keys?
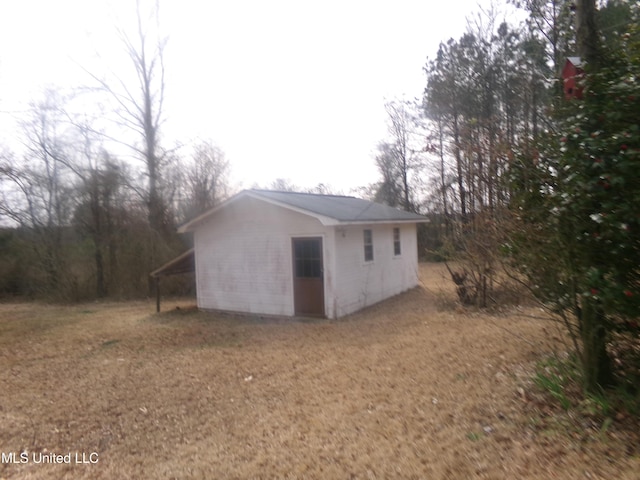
[
  {"x": 99, "y": 182},
  {"x": 403, "y": 126},
  {"x": 283, "y": 185},
  {"x": 205, "y": 179},
  {"x": 37, "y": 190},
  {"x": 139, "y": 107},
  {"x": 390, "y": 190},
  {"x": 398, "y": 159}
]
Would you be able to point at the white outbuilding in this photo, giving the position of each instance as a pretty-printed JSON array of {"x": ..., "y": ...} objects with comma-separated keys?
[{"x": 301, "y": 254}]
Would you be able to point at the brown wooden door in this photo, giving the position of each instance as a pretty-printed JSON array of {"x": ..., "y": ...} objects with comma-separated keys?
[{"x": 308, "y": 276}]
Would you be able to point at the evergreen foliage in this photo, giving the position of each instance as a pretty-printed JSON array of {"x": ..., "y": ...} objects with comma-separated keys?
[{"x": 577, "y": 230}]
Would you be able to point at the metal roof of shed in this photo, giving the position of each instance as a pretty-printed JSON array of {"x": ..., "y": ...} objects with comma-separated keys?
[
  {"x": 328, "y": 209},
  {"x": 341, "y": 208}
]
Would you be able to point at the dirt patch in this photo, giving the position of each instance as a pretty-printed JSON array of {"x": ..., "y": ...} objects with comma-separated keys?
[{"x": 406, "y": 389}]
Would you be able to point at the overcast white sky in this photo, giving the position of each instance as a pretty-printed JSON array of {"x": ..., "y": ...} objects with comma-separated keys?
[{"x": 287, "y": 88}]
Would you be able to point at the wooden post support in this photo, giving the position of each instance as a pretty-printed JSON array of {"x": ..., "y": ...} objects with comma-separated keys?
[{"x": 157, "y": 293}]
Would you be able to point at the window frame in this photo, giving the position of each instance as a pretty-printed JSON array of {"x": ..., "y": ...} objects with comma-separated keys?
[
  {"x": 307, "y": 257},
  {"x": 397, "y": 242},
  {"x": 367, "y": 238}
]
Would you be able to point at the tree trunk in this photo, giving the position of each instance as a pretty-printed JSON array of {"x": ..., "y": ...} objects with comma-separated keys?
[
  {"x": 596, "y": 363},
  {"x": 101, "y": 289},
  {"x": 461, "y": 189},
  {"x": 443, "y": 184},
  {"x": 586, "y": 31}
]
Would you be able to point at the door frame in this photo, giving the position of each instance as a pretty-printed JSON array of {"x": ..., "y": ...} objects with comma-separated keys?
[{"x": 294, "y": 277}]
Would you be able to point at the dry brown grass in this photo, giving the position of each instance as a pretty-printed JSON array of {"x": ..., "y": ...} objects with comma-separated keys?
[{"x": 406, "y": 389}]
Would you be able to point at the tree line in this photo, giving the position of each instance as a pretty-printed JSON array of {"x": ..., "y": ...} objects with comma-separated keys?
[
  {"x": 524, "y": 183},
  {"x": 90, "y": 201}
]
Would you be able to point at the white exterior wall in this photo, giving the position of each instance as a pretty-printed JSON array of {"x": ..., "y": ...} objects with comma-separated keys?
[
  {"x": 359, "y": 283},
  {"x": 244, "y": 259}
]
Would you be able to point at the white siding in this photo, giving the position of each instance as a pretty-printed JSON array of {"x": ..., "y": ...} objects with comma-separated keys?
[
  {"x": 359, "y": 283},
  {"x": 244, "y": 259}
]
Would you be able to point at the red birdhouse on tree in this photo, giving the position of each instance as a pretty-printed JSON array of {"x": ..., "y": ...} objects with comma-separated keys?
[{"x": 571, "y": 75}]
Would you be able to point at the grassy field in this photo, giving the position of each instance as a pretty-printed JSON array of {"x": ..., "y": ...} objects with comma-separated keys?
[{"x": 411, "y": 388}]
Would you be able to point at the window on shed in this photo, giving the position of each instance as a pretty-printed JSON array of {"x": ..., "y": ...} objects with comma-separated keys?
[
  {"x": 308, "y": 258},
  {"x": 397, "y": 249},
  {"x": 368, "y": 246}
]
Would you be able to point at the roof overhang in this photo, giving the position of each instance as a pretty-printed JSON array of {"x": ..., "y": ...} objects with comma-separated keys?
[
  {"x": 338, "y": 223},
  {"x": 200, "y": 219},
  {"x": 184, "y": 263},
  {"x": 191, "y": 225}
]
